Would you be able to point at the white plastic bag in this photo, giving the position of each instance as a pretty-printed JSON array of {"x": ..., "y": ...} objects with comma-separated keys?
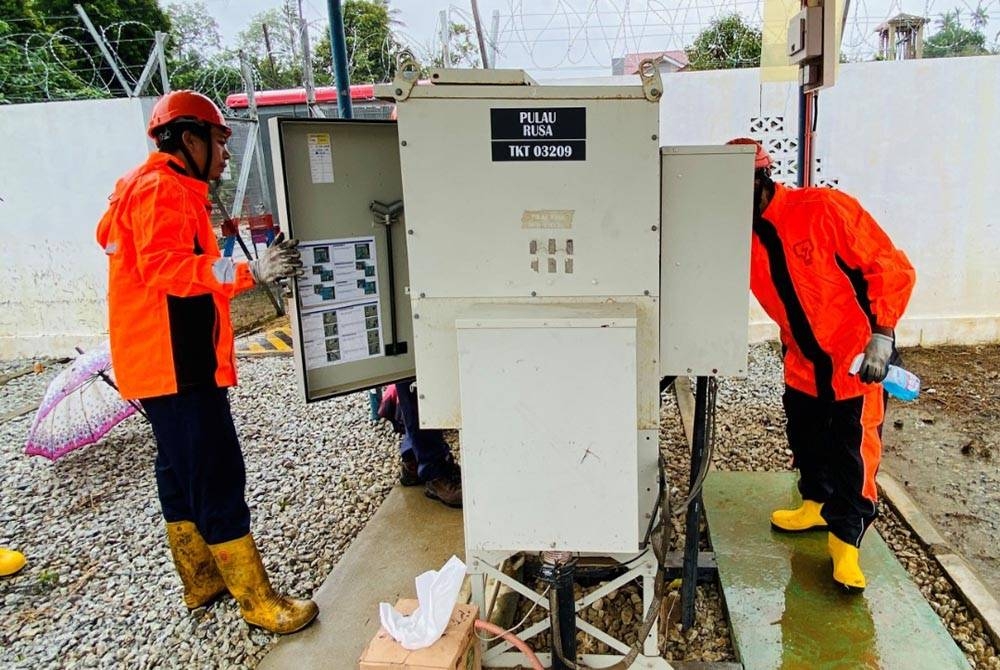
[{"x": 437, "y": 591}]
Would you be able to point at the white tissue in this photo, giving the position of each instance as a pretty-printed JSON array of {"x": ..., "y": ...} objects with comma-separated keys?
[{"x": 437, "y": 591}]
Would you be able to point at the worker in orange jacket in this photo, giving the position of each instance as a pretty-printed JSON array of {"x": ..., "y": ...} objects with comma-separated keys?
[
  {"x": 172, "y": 349},
  {"x": 833, "y": 281}
]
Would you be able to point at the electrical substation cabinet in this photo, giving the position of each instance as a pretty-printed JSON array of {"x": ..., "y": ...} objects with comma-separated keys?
[
  {"x": 521, "y": 251},
  {"x": 548, "y": 263},
  {"x": 340, "y": 194},
  {"x": 534, "y": 279}
]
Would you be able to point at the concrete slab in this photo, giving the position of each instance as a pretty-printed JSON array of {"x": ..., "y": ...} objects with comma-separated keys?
[
  {"x": 786, "y": 612},
  {"x": 408, "y": 535}
]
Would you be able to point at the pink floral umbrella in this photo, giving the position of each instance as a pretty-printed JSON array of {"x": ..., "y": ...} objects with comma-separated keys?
[{"x": 80, "y": 406}]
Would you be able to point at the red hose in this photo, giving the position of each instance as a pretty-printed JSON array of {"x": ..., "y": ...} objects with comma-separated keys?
[{"x": 513, "y": 639}]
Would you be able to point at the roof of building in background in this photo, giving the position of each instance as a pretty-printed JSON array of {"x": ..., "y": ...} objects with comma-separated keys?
[
  {"x": 678, "y": 58},
  {"x": 297, "y": 96},
  {"x": 904, "y": 21}
]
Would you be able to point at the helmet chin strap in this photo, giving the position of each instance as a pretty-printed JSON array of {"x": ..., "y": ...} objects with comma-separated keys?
[{"x": 201, "y": 171}]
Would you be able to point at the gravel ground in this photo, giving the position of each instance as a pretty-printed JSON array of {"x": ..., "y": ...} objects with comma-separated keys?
[{"x": 100, "y": 591}]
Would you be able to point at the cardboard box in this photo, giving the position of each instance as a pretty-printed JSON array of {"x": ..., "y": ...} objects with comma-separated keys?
[{"x": 457, "y": 649}]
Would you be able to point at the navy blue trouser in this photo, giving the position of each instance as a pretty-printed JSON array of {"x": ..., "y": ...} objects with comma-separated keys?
[
  {"x": 200, "y": 475},
  {"x": 427, "y": 445},
  {"x": 836, "y": 450}
]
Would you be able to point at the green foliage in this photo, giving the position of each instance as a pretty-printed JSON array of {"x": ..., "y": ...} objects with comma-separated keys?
[
  {"x": 726, "y": 44},
  {"x": 33, "y": 62},
  {"x": 462, "y": 50},
  {"x": 48, "y": 580},
  {"x": 196, "y": 58},
  {"x": 271, "y": 43},
  {"x": 54, "y": 58},
  {"x": 953, "y": 39},
  {"x": 129, "y": 26},
  {"x": 371, "y": 46}
]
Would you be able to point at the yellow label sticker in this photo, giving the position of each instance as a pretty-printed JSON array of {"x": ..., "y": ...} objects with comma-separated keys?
[{"x": 547, "y": 218}]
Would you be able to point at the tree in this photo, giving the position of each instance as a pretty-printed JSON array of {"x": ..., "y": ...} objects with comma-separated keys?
[
  {"x": 128, "y": 25},
  {"x": 197, "y": 60},
  {"x": 462, "y": 51},
  {"x": 35, "y": 65},
  {"x": 952, "y": 39},
  {"x": 272, "y": 44},
  {"x": 726, "y": 44},
  {"x": 371, "y": 46}
]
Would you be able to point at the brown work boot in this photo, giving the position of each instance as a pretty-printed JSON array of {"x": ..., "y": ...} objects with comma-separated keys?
[
  {"x": 408, "y": 470},
  {"x": 195, "y": 565},
  {"x": 447, "y": 488},
  {"x": 241, "y": 567}
]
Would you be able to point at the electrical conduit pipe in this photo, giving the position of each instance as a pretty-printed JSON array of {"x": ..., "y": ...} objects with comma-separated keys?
[{"x": 493, "y": 629}]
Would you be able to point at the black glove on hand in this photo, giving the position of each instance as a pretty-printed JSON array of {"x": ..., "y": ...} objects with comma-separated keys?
[{"x": 875, "y": 365}]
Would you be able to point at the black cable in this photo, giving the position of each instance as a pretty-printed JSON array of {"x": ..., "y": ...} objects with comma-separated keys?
[{"x": 695, "y": 489}]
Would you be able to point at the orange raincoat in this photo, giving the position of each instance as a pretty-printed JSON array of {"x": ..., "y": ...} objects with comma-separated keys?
[
  {"x": 826, "y": 273},
  {"x": 169, "y": 287}
]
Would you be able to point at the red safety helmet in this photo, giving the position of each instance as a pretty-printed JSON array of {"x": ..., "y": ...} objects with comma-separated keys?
[
  {"x": 185, "y": 106},
  {"x": 762, "y": 160}
]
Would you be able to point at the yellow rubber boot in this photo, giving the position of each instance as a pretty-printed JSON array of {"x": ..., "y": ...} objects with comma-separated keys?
[
  {"x": 806, "y": 517},
  {"x": 195, "y": 564},
  {"x": 10, "y": 561},
  {"x": 241, "y": 567},
  {"x": 846, "y": 569}
]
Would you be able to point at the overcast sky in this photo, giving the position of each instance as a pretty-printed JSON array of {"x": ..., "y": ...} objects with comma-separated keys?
[{"x": 579, "y": 37}]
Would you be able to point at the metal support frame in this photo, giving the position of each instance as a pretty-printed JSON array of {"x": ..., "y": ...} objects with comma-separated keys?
[
  {"x": 307, "y": 68},
  {"x": 245, "y": 166},
  {"x": 494, "y": 35},
  {"x": 103, "y": 47},
  {"x": 147, "y": 71},
  {"x": 161, "y": 40},
  {"x": 484, "y": 564}
]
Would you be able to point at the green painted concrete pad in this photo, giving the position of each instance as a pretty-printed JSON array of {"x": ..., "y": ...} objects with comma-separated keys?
[{"x": 784, "y": 608}]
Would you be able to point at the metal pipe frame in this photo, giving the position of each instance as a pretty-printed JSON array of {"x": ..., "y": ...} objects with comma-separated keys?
[{"x": 483, "y": 565}]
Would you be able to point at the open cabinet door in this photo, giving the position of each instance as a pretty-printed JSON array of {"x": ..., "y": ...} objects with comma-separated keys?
[{"x": 339, "y": 192}]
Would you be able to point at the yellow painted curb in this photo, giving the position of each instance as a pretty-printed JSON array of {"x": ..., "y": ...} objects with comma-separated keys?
[{"x": 269, "y": 342}]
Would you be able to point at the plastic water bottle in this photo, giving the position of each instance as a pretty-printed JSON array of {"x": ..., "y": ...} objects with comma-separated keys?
[
  {"x": 902, "y": 384},
  {"x": 898, "y": 383}
]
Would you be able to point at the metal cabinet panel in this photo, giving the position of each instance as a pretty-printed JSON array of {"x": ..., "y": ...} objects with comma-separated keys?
[
  {"x": 707, "y": 213},
  {"x": 509, "y": 228},
  {"x": 328, "y": 171},
  {"x": 549, "y": 440}
]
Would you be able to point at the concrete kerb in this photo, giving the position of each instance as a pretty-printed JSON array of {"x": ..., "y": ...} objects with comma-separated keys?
[{"x": 971, "y": 589}]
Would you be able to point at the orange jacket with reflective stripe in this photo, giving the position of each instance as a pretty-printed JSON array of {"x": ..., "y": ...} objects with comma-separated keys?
[
  {"x": 826, "y": 273},
  {"x": 169, "y": 287}
]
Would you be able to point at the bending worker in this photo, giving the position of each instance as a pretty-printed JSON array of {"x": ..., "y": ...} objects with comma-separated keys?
[
  {"x": 835, "y": 284},
  {"x": 172, "y": 349}
]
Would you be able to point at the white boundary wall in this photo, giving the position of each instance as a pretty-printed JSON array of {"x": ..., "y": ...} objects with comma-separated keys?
[
  {"x": 58, "y": 165},
  {"x": 917, "y": 142}
]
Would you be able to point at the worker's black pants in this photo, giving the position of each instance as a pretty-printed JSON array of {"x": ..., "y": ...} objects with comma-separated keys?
[
  {"x": 200, "y": 474},
  {"x": 837, "y": 448}
]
